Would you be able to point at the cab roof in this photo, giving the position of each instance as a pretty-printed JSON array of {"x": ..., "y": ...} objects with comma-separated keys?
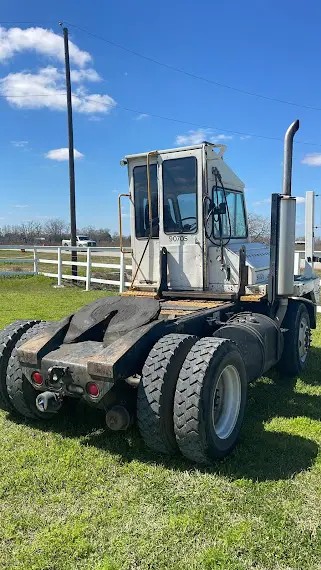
[{"x": 204, "y": 144}]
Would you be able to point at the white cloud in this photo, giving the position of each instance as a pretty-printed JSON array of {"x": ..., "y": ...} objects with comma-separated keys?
[
  {"x": 199, "y": 136},
  {"x": 79, "y": 75},
  {"x": 21, "y": 206},
  {"x": 41, "y": 41},
  {"x": 300, "y": 199},
  {"x": 245, "y": 137},
  {"x": 19, "y": 144},
  {"x": 141, "y": 116},
  {"x": 260, "y": 202},
  {"x": 313, "y": 159},
  {"x": 61, "y": 154},
  {"x": 46, "y": 89}
]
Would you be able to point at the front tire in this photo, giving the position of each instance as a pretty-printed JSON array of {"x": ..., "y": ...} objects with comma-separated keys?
[
  {"x": 210, "y": 400},
  {"x": 297, "y": 340}
]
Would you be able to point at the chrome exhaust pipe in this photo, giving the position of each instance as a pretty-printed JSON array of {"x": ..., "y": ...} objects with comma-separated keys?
[
  {"x": 288, "y": 153},
  {"x": 286, "y": 232}
]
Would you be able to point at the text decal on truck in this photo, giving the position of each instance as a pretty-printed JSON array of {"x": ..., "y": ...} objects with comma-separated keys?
[{"x": 178, "y": 238}]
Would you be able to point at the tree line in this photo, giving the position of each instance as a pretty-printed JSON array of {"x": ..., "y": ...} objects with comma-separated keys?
[{"x": 53, "y": 231}]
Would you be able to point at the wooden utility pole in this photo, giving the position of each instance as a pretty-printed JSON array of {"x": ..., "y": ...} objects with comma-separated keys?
[{"x": 73, "y": 224}]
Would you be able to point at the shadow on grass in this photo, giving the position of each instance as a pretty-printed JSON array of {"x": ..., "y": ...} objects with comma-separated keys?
[{"x": 260, "y": 455}]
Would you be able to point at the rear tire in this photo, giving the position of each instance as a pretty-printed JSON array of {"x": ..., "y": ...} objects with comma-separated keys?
[
  {"x": 8, "y": 339},
  {"x": 21, "y": 393},
  {"x": 297, "y": 340},
  {"x": 156, "y": 391},
  {"x": 210, "y": 400}
]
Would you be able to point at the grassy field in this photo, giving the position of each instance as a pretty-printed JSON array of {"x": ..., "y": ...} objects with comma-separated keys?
[{"x": 73, "y": 496}]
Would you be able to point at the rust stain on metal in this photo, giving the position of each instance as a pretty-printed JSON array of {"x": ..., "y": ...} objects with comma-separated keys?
[
  {"x": 28, "y": 352},
  {"x": 191, "y": 304},
  {"x": 255, "y": 298},
  {"x": 173, "y": 312},
  {"x": 133, "y": 293}
]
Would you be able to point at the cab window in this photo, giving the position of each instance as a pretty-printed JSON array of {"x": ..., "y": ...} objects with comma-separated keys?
[
  {"x": 236, "y": 210},
  {"x": 141, "y": 201},
  {"x": 180, "y": 192}
]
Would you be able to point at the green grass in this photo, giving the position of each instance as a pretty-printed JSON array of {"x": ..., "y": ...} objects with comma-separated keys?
[
  {"x": 35, "y": 297},
  {"x": 74, "y": 496}
]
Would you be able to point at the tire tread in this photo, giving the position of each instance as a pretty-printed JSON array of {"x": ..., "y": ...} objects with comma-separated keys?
[
  {"x": 9, "y": 337},
  {"x": 161, "y": 366},
  {"x": 15, "y": 381},
  {"x": 188, "y": 397}
]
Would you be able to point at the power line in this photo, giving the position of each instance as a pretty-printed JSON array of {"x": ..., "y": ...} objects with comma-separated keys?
[
  {"x": 177, "y": 69},
  {"x": 194, "y": 75},
  {"x": 164, "y": 118}
]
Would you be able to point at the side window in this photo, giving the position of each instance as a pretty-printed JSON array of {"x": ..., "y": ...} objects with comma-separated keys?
[
  {"x": 141, "y": 201},
  {"x": 180, "y": 192},
  {"x": 236, "y": 211}
]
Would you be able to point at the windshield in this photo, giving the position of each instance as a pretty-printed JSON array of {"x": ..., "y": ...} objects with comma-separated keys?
[
  {"x": 236, "y": 211},
  {"x": 83, "y": 238},
  {"x": 180, "y": 191}
]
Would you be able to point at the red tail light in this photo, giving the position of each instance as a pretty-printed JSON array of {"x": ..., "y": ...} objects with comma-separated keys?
[
  {"x": 92, "y": 389},
  {"x": 37, "y": 378}
]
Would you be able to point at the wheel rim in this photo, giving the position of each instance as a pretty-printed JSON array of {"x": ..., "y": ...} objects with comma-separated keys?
[
  {"x": 227, "y": 402},
  {"x": 304, "y": 339}
]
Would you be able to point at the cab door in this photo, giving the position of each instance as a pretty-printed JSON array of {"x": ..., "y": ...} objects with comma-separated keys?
[
  {"x": 145, "y": 240},
  {"x": 181, "y": 224}
]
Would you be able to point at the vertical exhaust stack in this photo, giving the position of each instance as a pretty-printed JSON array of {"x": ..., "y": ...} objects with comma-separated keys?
[{"x": 287, "y": 218}]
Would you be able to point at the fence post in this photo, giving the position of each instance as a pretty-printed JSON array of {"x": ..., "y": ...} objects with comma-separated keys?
[
  {"x": 122, "y": 273},
  {"x": 35, "y": 261},
  {"x": 88, "y": 269},
  {"x": 59, "y": 268}
]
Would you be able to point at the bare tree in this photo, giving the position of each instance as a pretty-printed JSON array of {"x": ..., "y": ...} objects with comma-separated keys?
[
  {"x": 55, "y": 229},
  {"x": 259, "y": 228}
]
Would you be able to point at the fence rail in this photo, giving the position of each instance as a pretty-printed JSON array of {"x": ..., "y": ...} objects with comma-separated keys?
[
  {"x": 38, "y": 259},
  {"x": 299, "y": 261}
]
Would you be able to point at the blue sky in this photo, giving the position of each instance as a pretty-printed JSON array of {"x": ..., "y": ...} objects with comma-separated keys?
[{"x": 271, "y": 48}]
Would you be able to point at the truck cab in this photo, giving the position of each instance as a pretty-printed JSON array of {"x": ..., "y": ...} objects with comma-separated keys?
[{"x": 190, "y": 202}]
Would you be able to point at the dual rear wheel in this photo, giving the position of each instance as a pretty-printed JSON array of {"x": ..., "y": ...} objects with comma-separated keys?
[
  {"x": 192, "y": 394},
  {"x": 16, "y": 392},
  {"x": 192, "y": 397}
]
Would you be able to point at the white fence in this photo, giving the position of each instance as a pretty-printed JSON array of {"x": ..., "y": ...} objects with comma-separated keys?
[
  {"x": 38, "y": 258},
  {"x": 299, "y": 261}
]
